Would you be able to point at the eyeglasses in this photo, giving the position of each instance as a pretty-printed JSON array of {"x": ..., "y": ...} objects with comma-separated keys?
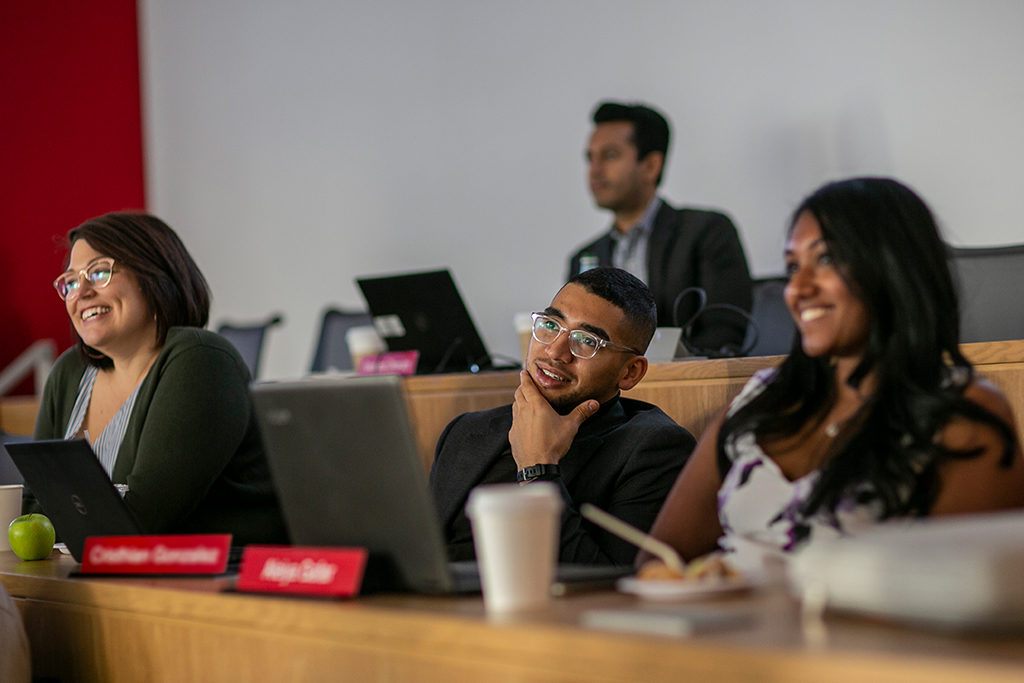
[
  {"x": 582, "y": 344},
  {"x": 98, "y": 274}
]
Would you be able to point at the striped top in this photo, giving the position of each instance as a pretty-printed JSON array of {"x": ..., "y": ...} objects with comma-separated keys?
[{"x": 109, "y": 441}]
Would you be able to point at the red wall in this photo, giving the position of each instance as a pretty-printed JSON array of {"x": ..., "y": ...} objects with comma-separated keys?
[{"x": 71, "y": 148}]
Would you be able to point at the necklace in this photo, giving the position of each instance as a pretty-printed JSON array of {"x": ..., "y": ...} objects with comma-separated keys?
[{"x": 832, "y": 428}]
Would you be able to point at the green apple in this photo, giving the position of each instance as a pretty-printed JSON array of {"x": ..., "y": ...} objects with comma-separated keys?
[{"x": 31, "y": 536}]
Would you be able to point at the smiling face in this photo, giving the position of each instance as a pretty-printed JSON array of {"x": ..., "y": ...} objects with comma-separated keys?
[
  {"x": 618, "y": 180},
  {"x": 832, "y": 321},
  {"x": 115, "y": 319},
  {"x": 565, "y": 380}
]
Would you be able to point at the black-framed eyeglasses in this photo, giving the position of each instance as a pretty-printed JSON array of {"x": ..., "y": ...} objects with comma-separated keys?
[
  {"x": 582, "y": 344},
  {"x": 98, "y": 273}
]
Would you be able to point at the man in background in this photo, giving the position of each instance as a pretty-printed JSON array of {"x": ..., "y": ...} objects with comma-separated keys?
[
  {"x": 569, "y": 425},
  {"x": 669, "y": 249}
]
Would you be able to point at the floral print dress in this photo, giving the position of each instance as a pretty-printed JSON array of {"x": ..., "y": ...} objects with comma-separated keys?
[{"x": 759, "y": 509}]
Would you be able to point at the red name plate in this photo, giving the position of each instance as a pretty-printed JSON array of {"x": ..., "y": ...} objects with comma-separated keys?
[
  {"x": 393, "y": 363},
  {"x": 337, "y": 572},
  {"x": 185, "y": 554}
]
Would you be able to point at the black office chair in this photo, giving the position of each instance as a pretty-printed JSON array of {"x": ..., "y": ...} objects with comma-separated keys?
[
  {"x": 775, "y": 327},
  {"x": 988, "y": 281},
  {"x": 248, "y": 339},
  {"x": 331, "y": 348}
]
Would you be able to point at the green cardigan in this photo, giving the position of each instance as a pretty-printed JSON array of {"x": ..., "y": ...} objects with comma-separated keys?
[{"x": 191, "y": 455}]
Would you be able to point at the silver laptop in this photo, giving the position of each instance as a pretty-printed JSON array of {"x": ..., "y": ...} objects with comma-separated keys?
[{"x": 344, "y": 460}]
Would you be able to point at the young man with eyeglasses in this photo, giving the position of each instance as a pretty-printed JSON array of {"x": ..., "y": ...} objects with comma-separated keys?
[{"x": 568, "y": 423}]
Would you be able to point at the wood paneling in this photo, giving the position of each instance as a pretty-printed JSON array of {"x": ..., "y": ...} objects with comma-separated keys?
[
  {"x": 691, "y": 392},
  {"x": 18, "y": 414}
]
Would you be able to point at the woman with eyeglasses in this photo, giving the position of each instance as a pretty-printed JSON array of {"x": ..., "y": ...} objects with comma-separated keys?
[
  {"x": 874, "y": 414},
  {"x": 163, "y": 402}
]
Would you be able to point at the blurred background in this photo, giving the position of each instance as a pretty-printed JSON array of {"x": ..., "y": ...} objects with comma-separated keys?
[{"x": 295, "y": 146}]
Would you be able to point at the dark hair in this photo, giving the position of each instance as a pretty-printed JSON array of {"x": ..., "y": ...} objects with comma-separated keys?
[
  {"x": 627, "y": 292},
  {"x": 887, "y": 246},
  {"x": 650, "y": 129},
  {"x": 171, "y": 282}
]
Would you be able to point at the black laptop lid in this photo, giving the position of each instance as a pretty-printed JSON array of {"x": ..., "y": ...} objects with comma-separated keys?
[
  {"x": 424, "y": 312},
  {"x": 347, "y": 472},
  {"x": 74, "y": 491}
]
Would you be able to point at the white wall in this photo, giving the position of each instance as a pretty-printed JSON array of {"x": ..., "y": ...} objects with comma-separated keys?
[{"x": 296, "y": 145}]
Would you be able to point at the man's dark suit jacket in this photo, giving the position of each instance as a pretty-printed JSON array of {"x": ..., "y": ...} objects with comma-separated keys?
[
  {"x": 624, "y": 460},
  {"x": 691, "y": 248}
]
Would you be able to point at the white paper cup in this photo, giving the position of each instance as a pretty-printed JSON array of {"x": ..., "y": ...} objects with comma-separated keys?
[
  {"x": 515, "y": 533},
  {"x": 10, "y": 507},
  {"x": 363, "y": 341},
  {"x": 524, "y": 330}
]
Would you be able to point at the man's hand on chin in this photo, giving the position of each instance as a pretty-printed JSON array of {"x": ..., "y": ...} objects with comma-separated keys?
[{"x": 539, "y": 435}]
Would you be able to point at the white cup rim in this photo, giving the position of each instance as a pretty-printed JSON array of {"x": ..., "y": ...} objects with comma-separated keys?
[{"x": 503, "y": 497}]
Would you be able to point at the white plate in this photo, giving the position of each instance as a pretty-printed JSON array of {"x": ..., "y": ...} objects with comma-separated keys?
[{"x": 683, "y": 589}]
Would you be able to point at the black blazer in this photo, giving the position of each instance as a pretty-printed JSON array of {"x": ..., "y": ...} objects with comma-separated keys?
[
  {"x": 624, "y": 460},
  {"x": 691, "y": 248}
]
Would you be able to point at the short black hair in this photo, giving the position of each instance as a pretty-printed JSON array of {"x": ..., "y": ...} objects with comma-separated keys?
[
  {"x": 172, "y": 284},
  {"x": 628, "y": 293},
  {"x": 650, "y": 128}
]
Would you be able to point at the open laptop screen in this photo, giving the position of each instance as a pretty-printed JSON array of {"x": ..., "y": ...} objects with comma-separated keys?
[
  {"x": 73, "y": 490},
  {"x": 347, "y": 473},
  {"x": 424, "y": 312}
]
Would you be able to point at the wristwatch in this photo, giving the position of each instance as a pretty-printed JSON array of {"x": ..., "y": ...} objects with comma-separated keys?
[{"x": 534, "y": 472}]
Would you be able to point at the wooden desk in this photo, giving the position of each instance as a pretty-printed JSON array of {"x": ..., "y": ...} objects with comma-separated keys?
[
  {"x": 691, "y": 392},
  {"x": 191, "y": 630},
  {"x": 18, "y": 414}
]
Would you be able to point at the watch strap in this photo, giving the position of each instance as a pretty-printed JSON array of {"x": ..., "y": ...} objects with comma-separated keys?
[{"x": 543, "y": 472}]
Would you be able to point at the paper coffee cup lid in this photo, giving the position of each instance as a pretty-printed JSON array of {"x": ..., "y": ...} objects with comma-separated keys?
[
  {"x": 364, "y": 337},
  {"x": 503, "y": 497},
  {"x": 523, "y": 322}
]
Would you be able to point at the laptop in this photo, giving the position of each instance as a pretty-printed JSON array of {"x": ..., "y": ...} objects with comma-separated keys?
[
  {"x": 424, "y": 312},
  {"x": 665, "y": 346},
  {"x": 347, "y": 471},
  {"x": 74, "y": 491}
]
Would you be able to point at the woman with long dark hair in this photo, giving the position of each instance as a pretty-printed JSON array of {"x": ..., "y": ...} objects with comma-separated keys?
[{"x": 874, "y": 414}]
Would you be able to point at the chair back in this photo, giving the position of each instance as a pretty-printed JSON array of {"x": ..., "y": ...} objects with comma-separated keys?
[
  {"x": 248, "y": 339},
  {"x": 331, "y": 348},
  {"x": 988, "y": 279},
  {"x": 9, "y": 473},
  {"x": 775, "y": 327}
]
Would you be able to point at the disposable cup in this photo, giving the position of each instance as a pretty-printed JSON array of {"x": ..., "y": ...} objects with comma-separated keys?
[
  {"x": 524, "y": 330},
  {"x": 10, "y": 507},
  {"x": 363, "y": 341},
  {"x": 515, "y": 533}
]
